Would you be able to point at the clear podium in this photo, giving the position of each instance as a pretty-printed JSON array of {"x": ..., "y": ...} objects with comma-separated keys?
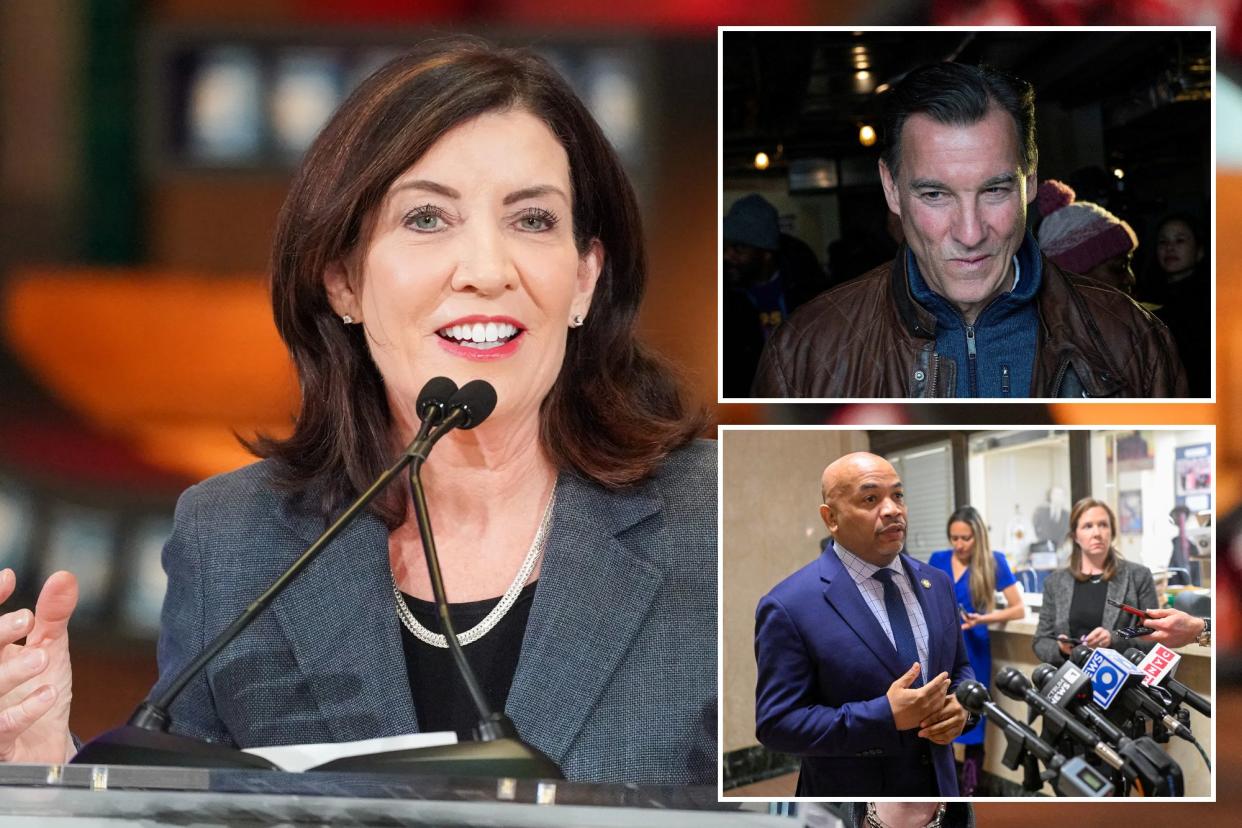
[{"x": 84, "y": 795}]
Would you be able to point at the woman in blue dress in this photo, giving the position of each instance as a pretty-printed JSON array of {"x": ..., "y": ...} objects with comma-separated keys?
[{"x": 978, "y": 574}]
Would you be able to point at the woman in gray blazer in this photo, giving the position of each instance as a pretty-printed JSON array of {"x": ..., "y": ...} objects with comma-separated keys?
[
  {"x": 1076, "y": 606},
  {"x": 461, "y": 215}
]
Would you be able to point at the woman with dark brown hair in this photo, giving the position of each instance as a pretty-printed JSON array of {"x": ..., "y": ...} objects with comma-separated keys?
[
  {"x": 1076, "y": 606},
  {"x": 461, "y": 215}
]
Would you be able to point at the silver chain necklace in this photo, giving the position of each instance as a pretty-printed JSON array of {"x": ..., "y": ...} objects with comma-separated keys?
[
  {"x": 873, "y": 818},
  {"x": 499, "y": 611}
]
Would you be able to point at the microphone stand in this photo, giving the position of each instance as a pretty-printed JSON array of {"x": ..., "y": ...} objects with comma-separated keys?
[
  {"x": 498, "y": 750},
  {"x": 145, "y": 740}
]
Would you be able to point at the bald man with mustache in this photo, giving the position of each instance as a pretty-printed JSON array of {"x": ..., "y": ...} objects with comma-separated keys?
[{"x": 860, "y": 650}]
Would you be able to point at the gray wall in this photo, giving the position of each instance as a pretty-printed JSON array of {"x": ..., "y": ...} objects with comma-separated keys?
[{"x": 771, "y": 527}]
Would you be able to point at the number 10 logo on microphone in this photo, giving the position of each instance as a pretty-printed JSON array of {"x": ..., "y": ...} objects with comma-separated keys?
[{"x": 1107, "y": 678}]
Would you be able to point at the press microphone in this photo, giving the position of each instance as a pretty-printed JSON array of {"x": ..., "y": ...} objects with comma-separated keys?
[
  {"x": 1018, "y": 687},
  {"x": 1073, "y": 777},
  {"x": 1159, "y": 665},
  {"x": 1112, "y": 680},
  {"x": 1068, "y": 687},
  {"x": 1149, "y": 767},
  {"x": 474, "y": 401},
  {"x": 974, "y": 697}
]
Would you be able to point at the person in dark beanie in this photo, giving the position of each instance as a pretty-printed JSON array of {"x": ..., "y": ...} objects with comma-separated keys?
[
  {"x": 970, "y": 306},
  {"x": 752, "y": 240},
  {"x": 1084, "y": 238},
  {"x": 767, "y": 275}
]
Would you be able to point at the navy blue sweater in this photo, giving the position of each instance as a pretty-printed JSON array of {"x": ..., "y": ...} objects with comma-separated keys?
[{"x": 995, "y": 356}]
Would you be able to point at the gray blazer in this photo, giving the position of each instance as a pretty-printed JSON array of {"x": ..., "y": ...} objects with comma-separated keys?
[
  {"x": 1131, "y": 585},
  {"x": 616, "y": 681}
]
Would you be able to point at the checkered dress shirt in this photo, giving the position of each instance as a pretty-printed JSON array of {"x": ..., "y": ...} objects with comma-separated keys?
[{"x": 873, "y": 594}]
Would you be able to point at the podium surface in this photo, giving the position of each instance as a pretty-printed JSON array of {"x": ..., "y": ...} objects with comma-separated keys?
[{"x": 81, "y": 795}]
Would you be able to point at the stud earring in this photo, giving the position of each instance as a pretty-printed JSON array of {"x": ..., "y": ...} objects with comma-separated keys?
[
  {"x": 577, "y": 320},
  {"x": 347, "y": 319}
]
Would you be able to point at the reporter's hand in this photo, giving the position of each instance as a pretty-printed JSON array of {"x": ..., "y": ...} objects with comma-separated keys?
[
  {"x": 36, "y": 681},
  {"x": 971, "y": 619},
  {"x": 912, "y": 706},
  {"x": 1099, "y": 637},
  {"x": 1173, "y": 628},
  {"x": 945, "y": 725},
  {"x": 1066, "y": 644}
]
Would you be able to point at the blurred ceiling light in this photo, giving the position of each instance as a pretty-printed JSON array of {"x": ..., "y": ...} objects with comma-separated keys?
[
  {"x": 761, "y": 161},
  {"x": 306, "y": 90},
  {"x": 881, "y": 88},
  {"x": 863, "y": 75},
  {"x": 866, "y": 135},
  {"x": 225, "y": 106},
  {"x": 1119, "y": 172}
]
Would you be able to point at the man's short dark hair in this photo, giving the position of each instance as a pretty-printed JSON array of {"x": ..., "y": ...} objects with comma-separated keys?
[{"x": 958, "y": 94}]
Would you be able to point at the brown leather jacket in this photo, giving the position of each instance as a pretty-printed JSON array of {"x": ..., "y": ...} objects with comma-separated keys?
[{"x": 869, "y": 338}]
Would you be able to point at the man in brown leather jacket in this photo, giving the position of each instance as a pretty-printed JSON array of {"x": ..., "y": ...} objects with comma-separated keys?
[{"x": 970, "y": 307}]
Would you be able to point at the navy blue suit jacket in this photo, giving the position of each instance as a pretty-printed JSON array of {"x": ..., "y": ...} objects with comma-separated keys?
[
  {"x": 617, "y": 675},
  {"x": 825, "y": 665}
]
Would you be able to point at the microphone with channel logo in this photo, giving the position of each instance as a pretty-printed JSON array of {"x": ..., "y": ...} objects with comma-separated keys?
[
  {"x": 1158, "y": 667},
  {"x": 1116, "y": 681},
  {"x": 1070, "y": 777},
  {"x": 1148, "y": 767}
]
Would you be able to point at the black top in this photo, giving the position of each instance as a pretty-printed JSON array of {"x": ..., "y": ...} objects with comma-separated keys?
[
  {"x": 1087, "y": 606},
  {"x": 441, "y": 700}
]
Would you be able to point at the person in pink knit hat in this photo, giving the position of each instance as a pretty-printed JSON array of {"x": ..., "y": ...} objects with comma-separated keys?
[{"x": 1084, "y": 238}]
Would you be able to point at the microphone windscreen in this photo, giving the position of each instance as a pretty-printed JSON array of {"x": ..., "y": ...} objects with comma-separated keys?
[
  {"x": 972, "y": 695},
  {"x": 1042, "y": 674},
  {"x": 1014, "y": 683},
  {"x": 438, "y": 391},
  {"x": 478, "y": 399},
  {"x": 1080, "y": 654},
  {"x": 1135, "y": 654}
]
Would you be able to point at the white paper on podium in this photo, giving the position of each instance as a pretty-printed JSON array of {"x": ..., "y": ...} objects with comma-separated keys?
[{"x": 298, "y": 758}]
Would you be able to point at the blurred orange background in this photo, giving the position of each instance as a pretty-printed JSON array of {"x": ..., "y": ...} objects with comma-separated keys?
[{"x": 152, "y": 361}]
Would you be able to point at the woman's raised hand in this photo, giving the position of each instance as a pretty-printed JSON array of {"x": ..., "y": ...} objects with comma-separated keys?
[{"x": 36, "y": 681}]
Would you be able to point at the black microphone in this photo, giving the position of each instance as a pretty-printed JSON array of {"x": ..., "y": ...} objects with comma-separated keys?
[
  {"x": 1180, "y": 692},
  {"x": 1138, "y": 699},
  {"x": 466, "y": 408},
  {"x": 433, "y": 400},
  {"x": 1071, "y": 777},
  {"x": 1018, "y": 687},
  {"x": 974, "y": 697},
  {"x": 476, "y": 400}
]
